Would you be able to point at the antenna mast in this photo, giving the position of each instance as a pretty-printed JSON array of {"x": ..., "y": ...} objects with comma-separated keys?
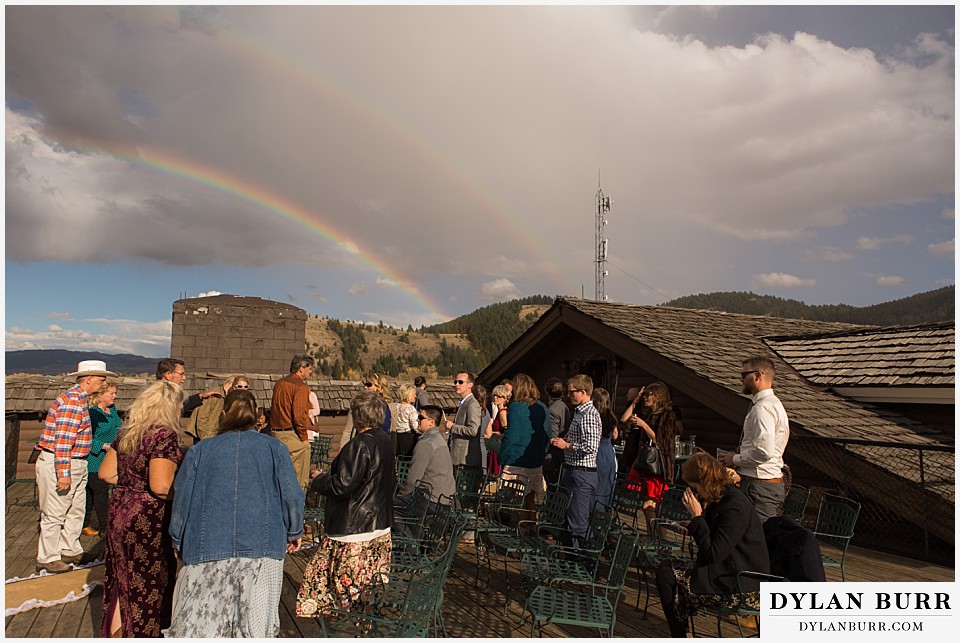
[{"x": 603, "y": 206}]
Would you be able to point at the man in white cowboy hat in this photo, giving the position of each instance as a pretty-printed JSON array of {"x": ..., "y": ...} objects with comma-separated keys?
[{"x": 62, "y": 469}]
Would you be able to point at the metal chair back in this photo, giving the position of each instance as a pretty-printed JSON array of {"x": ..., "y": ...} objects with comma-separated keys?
[{"x": 795, "y": 504}]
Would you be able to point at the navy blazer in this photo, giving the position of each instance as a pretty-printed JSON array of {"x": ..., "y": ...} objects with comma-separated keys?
[{"x": 730, "y": 540}]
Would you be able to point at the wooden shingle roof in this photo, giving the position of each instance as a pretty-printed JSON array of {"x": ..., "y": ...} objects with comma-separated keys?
[
  {"x": 922, "y": 355},
  {"x": 713, "y": 344},
  {"x": 34, "y": 394}
]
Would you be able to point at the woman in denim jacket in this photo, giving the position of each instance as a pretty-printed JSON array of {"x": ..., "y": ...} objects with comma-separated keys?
[{"x": 237, "y": 510}]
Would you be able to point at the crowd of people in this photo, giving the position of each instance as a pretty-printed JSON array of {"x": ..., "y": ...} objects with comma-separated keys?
[{"x": 229, "y": 509}]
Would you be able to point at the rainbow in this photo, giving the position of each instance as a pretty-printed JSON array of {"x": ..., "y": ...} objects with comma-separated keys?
[
  {"x": 348, "y": 99},
  {"x": 219, "y": 181}
]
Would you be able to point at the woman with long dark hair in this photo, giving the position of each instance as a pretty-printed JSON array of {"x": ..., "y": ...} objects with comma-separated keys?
[
  {"x": 241, "y": 486},
  {"x": 606, "y": 456},
  {"x": 659, "y": 422}
]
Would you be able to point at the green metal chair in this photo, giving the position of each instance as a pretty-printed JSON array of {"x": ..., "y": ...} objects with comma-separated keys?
[
  {"x": 671, "y": 541},
  {"x": 314, "y": 516},
  {"x": 836, "y": 519},
  {"x": 795, "y": 504},
  {"x": 527, "y": 537},
  {"x": 742, "y": 609},
  {"x": 412, "y": 519},
  {"x": 494, "y": 515},
  {"x": 320, "y": 451},
  {"x": 628, "y": 500},
  {"x": 403, "y": 468},
  {"x": 557, "y": 562},
  {"x": 585, "y": 604}
]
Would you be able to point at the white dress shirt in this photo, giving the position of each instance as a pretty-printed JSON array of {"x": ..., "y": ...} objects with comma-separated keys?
[{"x": 766, "y": 430}]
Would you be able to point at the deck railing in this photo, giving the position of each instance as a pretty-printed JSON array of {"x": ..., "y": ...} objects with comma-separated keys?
[{"x": 907, "y": 491}]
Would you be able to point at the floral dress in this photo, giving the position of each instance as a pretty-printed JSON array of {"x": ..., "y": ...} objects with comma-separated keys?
[{"x": 140, "y": 566}]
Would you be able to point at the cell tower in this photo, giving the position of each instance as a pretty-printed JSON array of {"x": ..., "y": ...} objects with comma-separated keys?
[{"x": 603, "y": 206}]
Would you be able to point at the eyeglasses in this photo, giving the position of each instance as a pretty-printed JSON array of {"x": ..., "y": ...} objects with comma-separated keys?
[
  {"x": 743, "y": 374},
  {"x": 571, "y": 391},
  {"x": 459, "y": 381},
  {"x": 180, "y": 373}
]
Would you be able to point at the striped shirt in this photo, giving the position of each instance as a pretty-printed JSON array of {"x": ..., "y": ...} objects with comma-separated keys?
[
  {"x": 66, "y": 432},
  {"x": 584, "y": 437}
]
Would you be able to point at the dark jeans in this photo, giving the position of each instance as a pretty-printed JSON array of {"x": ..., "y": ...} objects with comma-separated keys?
[
  {"x": 581, "y": 485},
  {"x": 667, "y": 588},
  {"x": 98, "y": 493}
]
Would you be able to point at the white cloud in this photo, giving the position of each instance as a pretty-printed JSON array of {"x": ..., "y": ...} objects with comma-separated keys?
[
  {"x": 357, "y": 289},
  {"x": 498, "y": 290},
  {"x": 941, "y": 249},
  {"x": 782, "y": 280},
  {"x": 890, "y": 280},
  {"x": 827, "y": 253},
  {"x": 210, "y": 293},
  {"x": 875, "y": 243},
  {"x": 151, "y": 339}
]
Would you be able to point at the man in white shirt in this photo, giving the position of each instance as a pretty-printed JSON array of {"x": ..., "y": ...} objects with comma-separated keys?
[{"x": 766, "y": 431}]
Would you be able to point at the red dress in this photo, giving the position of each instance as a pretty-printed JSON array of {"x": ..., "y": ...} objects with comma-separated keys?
[{"x": 140, "y": 568}]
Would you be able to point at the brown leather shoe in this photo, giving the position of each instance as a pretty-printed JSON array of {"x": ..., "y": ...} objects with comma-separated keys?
[
  {"x": 71, "y": 559},
  {"x": 54, "y": 567},
  {"x": 89, "y": 531}
]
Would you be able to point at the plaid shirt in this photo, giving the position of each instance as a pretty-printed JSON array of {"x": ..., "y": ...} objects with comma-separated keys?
[
  {"x": 584, "y": 437},
  {"x": 67, "y": 430}
]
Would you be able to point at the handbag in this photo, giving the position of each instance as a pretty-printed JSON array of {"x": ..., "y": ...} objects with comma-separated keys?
[{"x": 649, "y": 459}]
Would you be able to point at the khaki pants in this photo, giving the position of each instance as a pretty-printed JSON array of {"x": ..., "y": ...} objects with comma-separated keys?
[
  {"x": 61, "y": 514},
  {"x": 299, "y": 453}
]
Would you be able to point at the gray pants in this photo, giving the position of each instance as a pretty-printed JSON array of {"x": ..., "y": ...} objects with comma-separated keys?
[{"x": 767, "y": 497}]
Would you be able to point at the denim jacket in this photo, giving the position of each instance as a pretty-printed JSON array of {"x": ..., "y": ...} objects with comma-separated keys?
[{"x": 236, "y": 496}]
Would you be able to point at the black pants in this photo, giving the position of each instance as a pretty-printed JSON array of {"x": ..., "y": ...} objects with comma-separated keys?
[
  {"x": 667, "y": 588},
  {"x": 98, "y": 493},
  {"x": 404, "y": 443}
]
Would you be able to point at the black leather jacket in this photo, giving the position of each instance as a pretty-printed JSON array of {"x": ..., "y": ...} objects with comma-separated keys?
[{"x": 359, "y": 486}]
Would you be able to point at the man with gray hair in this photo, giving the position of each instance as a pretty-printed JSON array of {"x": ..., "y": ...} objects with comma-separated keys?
[
  {"x": 290, "y": 414},
  {"x": 62, "y": 469},
  {"x": 766, "y": 430}
]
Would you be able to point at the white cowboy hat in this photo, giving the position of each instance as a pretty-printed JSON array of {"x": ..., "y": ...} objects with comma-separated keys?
[{"x": 91, "y": 367}]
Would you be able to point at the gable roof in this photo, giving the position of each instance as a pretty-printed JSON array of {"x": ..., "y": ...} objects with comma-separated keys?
[
  {"x": 919, "y": 355},
  {"x": 711, "y": 346}
]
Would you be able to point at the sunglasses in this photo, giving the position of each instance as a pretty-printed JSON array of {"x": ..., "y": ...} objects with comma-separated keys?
[
  {"x": 368, "y": 384},
  {"x": 241, "y": 386},
  {"x": 459, "y": 381},
  {"x": 743, "y": 374}
]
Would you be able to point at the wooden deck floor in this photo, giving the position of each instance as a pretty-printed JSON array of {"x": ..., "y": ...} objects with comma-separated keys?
[{"x": 469, "y": 611}]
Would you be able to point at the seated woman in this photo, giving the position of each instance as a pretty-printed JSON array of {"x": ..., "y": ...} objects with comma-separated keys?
[{"x": 729, "y": 538}]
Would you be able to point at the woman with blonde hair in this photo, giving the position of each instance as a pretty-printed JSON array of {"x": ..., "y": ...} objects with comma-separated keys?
[
  {"x": 729, "y": 540},
  {"x": 657, "y": 419},
  {"x": 403, "y": 429},
  {"x": 104, "y": 423},
  {"x": 140, "y": 563},
  {"x": 380, "y": 385}
]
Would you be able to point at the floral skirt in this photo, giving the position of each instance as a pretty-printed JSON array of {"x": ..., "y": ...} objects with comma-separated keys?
[
  {"x": 340, "y": 572},
  {"x": 687, "y": 603},
  {"x": 229, "y": 598}
]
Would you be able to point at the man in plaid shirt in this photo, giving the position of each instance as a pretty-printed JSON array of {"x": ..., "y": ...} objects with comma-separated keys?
[
  {"x": 62, "y": 470},
  {"x": 580, "y": 456}
]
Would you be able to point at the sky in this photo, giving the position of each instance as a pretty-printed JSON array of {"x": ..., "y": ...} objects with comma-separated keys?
[{"x": 411, "y": 164}]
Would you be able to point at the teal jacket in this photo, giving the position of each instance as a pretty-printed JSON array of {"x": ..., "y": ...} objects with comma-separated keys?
[{"x": 527, "y": 438}]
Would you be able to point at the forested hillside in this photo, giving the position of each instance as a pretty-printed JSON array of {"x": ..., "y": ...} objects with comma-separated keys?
[{"x": 931, "y": 306}]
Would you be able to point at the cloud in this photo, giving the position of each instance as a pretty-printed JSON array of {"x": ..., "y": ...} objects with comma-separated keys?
[
  {"x": 210, "y": 293},
  {"x": 942, "y": 249},
  {"x": 57, "y": 315},
  {"x": 875, "y": 243},
  {"x": 357, "y": 289},
  {"x": 827, "y": 253},
  {"x": 498, "y": 290},
  {"x": 782, "y": 280},
  {"x": 150, "y": 339},
  {"x": 890, "y": 280},
  {"x": 947, "y": 214},
  {"x": 112, "y": 119}
]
